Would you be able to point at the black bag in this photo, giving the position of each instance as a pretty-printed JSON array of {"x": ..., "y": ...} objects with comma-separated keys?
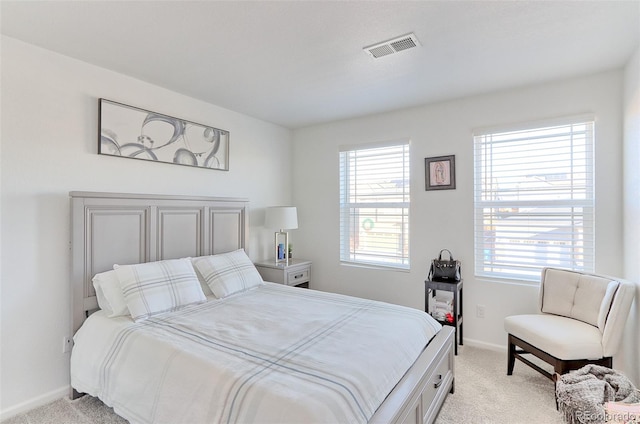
[{"x": 444, "y": 270}]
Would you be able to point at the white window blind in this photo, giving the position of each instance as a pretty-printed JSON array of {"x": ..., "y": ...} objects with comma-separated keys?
[
  {"x": 534, "y": 201},
  {"x": 374, "y": 205}
]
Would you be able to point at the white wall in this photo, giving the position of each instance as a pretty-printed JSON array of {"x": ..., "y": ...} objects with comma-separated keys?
[
  {"x": 632, "y": 206},
  {"x": 49, "y": 147},
  {"x": 445, "y": 218}
]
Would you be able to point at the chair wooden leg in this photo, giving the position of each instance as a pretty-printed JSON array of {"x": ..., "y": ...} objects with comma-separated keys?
[
  {"x": 561, "y": 367},
  {"x": 555, "y": 379},
  {"x": 511, "y": 359}
]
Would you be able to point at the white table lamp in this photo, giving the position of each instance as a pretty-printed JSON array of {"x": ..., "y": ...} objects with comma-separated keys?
[{"x": 283, "y": 218}]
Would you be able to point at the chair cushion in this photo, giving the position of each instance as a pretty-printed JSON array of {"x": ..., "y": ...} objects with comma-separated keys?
[
  {"x": 584, "y": 297},
  {"x": 564, "y": 338}
]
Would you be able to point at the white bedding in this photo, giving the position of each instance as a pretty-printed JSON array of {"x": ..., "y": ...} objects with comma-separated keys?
[{"x": 273, "y": 354}]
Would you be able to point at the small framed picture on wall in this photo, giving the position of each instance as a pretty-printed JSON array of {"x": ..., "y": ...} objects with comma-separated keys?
[{"x": 440, "y": 173}]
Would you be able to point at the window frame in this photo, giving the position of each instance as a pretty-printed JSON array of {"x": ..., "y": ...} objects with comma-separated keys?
[
  {"x": 585, "y": 205},
  {"x": 347, "y": 254}
]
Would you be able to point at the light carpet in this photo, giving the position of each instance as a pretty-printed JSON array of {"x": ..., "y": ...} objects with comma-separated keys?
[{"x": 483, "y": 394}]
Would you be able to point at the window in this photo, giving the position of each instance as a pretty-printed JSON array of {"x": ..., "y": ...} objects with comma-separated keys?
[
  {"x": 374, "y": 205},
  {"x": 534, "y": 200}
]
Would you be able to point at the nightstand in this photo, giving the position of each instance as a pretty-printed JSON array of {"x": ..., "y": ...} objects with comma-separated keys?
[
  {"x": 297, "y": 273},
  {"x": 455, "y": 287}
]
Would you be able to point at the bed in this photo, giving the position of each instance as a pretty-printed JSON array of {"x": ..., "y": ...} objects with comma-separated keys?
[{"x": 258, "y": 352}]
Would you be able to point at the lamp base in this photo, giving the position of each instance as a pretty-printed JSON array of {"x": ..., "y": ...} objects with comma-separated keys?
[{"x": 281, "y": 250}]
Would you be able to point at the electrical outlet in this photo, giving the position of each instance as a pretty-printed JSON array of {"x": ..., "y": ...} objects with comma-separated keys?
[
  {"x": 66, "y": 344},
  {"x": 480, "y": 311}
]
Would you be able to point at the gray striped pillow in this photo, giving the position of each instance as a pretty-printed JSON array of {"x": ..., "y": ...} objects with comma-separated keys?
[
  {"x": 228, "y": 273},
  {"x": 156, "y": 287}
]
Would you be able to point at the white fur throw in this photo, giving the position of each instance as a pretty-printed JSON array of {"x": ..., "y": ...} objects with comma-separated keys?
[{"x": 581, "y": 394}]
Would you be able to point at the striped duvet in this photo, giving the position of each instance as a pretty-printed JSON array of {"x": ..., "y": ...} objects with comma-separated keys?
[{"x": 273, "y": 354}]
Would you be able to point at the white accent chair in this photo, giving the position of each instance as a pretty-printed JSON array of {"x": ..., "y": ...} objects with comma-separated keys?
[{"x": 581, "y": 322}]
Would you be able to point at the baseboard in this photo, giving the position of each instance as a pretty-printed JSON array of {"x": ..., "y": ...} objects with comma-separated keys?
[
  {"x": 484, "y": 345},
  {"x": 34, "y": 403}
]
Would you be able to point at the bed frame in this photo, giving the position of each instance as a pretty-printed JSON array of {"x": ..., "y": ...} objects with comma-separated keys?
[{"x": 110, "y": 228}]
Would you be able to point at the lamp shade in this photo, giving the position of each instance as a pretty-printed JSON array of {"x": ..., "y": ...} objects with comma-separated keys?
[{"x": 281, "y": 217}]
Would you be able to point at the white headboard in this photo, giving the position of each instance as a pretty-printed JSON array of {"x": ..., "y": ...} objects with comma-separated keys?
[{"x": 116, "y": 228}]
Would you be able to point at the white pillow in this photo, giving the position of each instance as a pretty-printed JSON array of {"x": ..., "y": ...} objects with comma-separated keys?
[
  {"x": 109, "y": 294},
  {"x": 228, "y": 273},
  {"x": 203, "y": 284},
  {"x": 156, "y": 287}
]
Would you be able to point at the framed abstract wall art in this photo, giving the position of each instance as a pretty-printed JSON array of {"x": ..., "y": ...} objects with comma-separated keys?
[
  {"x": 131, "y": 132},
  {"x": 440, "y": 173}
]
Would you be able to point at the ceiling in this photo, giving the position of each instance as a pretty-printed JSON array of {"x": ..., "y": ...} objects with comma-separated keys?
[{"x": 298, "y": 63}]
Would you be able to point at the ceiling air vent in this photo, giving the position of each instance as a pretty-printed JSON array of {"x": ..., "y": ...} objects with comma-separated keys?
[{"x": 395, "y": 45}]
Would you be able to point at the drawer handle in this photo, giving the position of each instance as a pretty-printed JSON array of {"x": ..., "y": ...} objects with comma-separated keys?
[
  {"x": 439, "y": 383},
  {"x": 298, "y": 276}
]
